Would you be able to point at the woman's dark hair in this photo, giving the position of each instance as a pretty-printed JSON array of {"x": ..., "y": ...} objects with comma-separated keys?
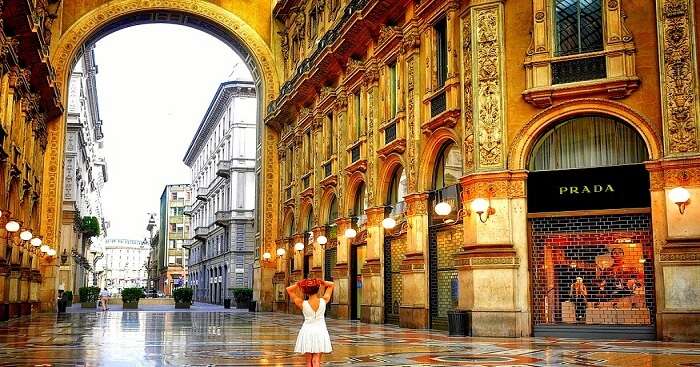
[{"x": 309, "y": 286}]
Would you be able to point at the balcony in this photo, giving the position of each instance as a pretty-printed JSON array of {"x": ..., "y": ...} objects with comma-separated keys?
[
  {"x": 202, "y": 193},
  {"x": 187, "y": 211},
  {"x": 223, "y": 169},
  {"x": 223, "y": 217},
  {"x": 201, "y": 233},
  {"x": 357, "y": 154}
]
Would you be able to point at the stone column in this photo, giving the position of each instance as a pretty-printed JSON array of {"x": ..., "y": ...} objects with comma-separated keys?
[
  {"x": 372, "y": 274},
  {"x": 316, "y": 270},
  {"x": 341, "y": 270},
  {"x": 414, "y": 311},
  {"x": 279, "y": 279},
  {"x": 492, "y": 266},
  {"x": 24, "y": 280},
  {"x": 4, "y": 277},
  {"x": 35, "y": 284},
  {"x": 13, "y": 283}
]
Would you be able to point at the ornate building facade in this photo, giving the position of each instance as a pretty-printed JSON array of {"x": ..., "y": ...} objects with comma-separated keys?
[
  {"x": 125, "y": 263},
  {"x": 85, "y": 173},
  {"x": 172, "y": 238},
  {"x": 222, "y": 159},
  {"x": 511, "y": 159},
  {"x": 28, "y": 99}
]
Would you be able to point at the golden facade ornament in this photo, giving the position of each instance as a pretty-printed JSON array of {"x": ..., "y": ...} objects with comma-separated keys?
[
  {"x": 416, "y": 204},
  {"x": 467, "y": 109},
  {"x": 489, "y": 87},
  {"x": 679, "y": 78}
]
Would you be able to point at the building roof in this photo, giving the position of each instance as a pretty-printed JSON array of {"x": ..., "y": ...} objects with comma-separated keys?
[{"x": 217, "y": 106}]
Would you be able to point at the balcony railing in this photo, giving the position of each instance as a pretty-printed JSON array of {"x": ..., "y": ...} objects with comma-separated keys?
[
  {"x": 438, "y": 104},
  {"x": 577, "y": 70},
  {"x": 201, "y": 233},
  {"x": 223, "y": 217},
  {"x": 202, "y": 193},
  {"x": 390, "y": 133},
  {"x": 355, "y": 154},
  {"x": 223, "y": 169}
]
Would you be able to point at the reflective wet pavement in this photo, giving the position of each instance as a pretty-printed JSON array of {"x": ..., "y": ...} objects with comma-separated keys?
[{"x": 208, "y": 338}]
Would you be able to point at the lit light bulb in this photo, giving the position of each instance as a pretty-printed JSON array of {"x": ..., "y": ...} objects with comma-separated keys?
[
  {"x": 281, "y": 252},
  {"x": 443, "y": 208},
  {"x": 480, "y": 205},
  {"x": 679, "y": 195},
  {"x": 299, "y": 246},
  {"x": 322, "y": 240},
  {"x": 350, "y": 233},
  {"x": 25, "y": 235},
  {"x": 44, "y": 248},
  {"x": 36, "y": 241},
  {"x": 389, "y": 223},
  {"x": 12, "y": 226},
  {"x": 51, "y": 252},
  {"x": 267, "y": 256}
]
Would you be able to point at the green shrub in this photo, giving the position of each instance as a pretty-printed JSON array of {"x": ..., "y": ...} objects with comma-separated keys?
[
  {"x": 183, "y": 295},
  {"x": 68, "y": 295},
  {"x": 132, "y": 295},
  {"x": 89, "y": 294},
  {"x": 242, "y": 295},
  {"x": 90, "y": 226}
]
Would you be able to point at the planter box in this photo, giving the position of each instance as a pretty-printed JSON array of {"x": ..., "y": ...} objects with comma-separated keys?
[
  {"x": 182, "y": 305},
  {"x": 88, "y": 304},
  {"x": 130, "y": 305},
  {"x": 243, "y": 305}
]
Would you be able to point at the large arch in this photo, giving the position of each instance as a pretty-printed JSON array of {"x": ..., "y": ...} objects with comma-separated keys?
[
  {"x": 527, "y": 137},
  {"x": 106, "y": 18},
  {"x": 386, "y": 174}
]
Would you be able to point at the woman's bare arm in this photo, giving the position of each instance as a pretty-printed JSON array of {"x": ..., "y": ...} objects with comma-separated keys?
[
  {"x": 293, "y": 291},
  {"x": 329, "y": 290}
]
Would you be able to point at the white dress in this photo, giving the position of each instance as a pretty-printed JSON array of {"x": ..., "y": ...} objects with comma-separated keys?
[{"x": 313, "y": 336}]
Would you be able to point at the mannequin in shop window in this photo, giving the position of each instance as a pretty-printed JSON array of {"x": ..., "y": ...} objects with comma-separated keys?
[{"x": 579, "y": 295}]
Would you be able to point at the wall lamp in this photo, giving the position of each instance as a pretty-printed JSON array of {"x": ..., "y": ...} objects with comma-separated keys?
[
  {"x": 267, "y": 257},
  {"x": 681, "y": 197},
  {"x": 351, "y": 232},
  {"x": 482, "y": 206},
  {"x": 299, "y": 246},
  {"x": 322, "y": 241},
  {"x": 281, "y": 252}
]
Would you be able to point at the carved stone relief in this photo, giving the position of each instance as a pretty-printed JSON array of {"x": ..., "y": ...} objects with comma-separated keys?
[
  {"x": 679, "y": 84},
  {"x": 467, "y": 110}
]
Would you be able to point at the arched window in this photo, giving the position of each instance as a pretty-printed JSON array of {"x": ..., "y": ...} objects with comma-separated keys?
[
  {"x": 448, "y": 166},
  {"x": 309, "y": 219},
  {"x": 332, "y": 211},
  {"x": 360, "y": 203},
  {"x": 289, "y": 228},
  {"x": 397, "y": 187},
  {"x": 588, "y": 141}
]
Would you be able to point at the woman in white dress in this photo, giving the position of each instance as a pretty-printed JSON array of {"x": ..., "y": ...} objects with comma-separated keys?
[{"x": 313, "y": 339}]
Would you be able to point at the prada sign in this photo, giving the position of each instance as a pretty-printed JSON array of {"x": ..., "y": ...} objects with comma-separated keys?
[{"x": 588, "y": 189}]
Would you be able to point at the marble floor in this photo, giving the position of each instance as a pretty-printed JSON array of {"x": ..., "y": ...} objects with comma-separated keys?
[{"x": 208, "y": 338}]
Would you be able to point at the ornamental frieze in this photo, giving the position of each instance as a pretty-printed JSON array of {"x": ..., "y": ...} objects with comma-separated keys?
[{"x": 467, "y": 110}]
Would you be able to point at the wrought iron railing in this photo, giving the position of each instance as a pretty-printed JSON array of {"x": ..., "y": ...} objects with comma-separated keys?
[
  {"x": 390, "y": 133},
  {"x": 577, "y": 70},
  {"x": 438, "y": 104}
]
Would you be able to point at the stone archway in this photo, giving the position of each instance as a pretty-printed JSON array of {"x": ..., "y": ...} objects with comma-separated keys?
[{"x": 86, "y": 27}]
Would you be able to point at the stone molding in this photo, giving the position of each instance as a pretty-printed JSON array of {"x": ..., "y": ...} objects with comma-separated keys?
[{"x": 670, "y": 173}]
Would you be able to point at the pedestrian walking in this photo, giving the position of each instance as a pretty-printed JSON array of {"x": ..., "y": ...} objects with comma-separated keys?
[
  {"x": 313, "y": 339},
  {"x": 104, "y": 298}
]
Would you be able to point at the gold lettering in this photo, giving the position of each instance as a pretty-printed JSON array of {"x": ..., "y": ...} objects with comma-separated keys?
[
  {"x": 563, "y": 190},
  {"x": 573, "y": 189},
  {"x": 585, "y": 190},
  {"x": 597, "y": 188},
  {"x": 609, "y": 188}
]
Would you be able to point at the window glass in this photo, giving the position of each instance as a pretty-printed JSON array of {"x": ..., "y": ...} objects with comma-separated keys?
[
  {"x": 393, "y": 107},
  {"x": 448, "y": 166},
  {"x": 441, "y": 51},
  {"x": 579, "y": 26},
  {"x": 397, "y": 187}
]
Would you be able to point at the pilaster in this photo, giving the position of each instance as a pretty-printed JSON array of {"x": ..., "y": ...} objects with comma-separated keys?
[
  {"x": 316, "y": 270},
  {"x": 372, "y": 275},
  {"x": 341, "y": 270},
  {"x": 414, "y": 312}
]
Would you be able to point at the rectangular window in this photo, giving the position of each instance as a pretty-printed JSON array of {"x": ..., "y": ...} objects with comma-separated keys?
[
  {"x": 579, "y": 26},
  {"x": 440, "y": 29},
  {"x": 358, "y": 117},
  {"x": 173, "y": 244},
  {"x": 173, "y": 195},
  {"x": 329, "y": 136},
  {"x": 173, "y": 227},
  {"x": 393, "y": 106},
  {"x": 308, "y": 150}
]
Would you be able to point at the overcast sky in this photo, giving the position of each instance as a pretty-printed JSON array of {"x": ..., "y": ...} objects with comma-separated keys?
[{"x": 154, "y": 83}]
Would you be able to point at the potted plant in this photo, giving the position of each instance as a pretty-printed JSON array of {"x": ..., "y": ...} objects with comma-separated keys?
[
  {"x": 69, "y": 298},
  {"x": 242, "y": 297},
  {"x": 90, "y": 226},
  {"x": 183, "y": 297},
  {"x": 89, "y": 296},
  {"x": 131, "y": 297}
]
